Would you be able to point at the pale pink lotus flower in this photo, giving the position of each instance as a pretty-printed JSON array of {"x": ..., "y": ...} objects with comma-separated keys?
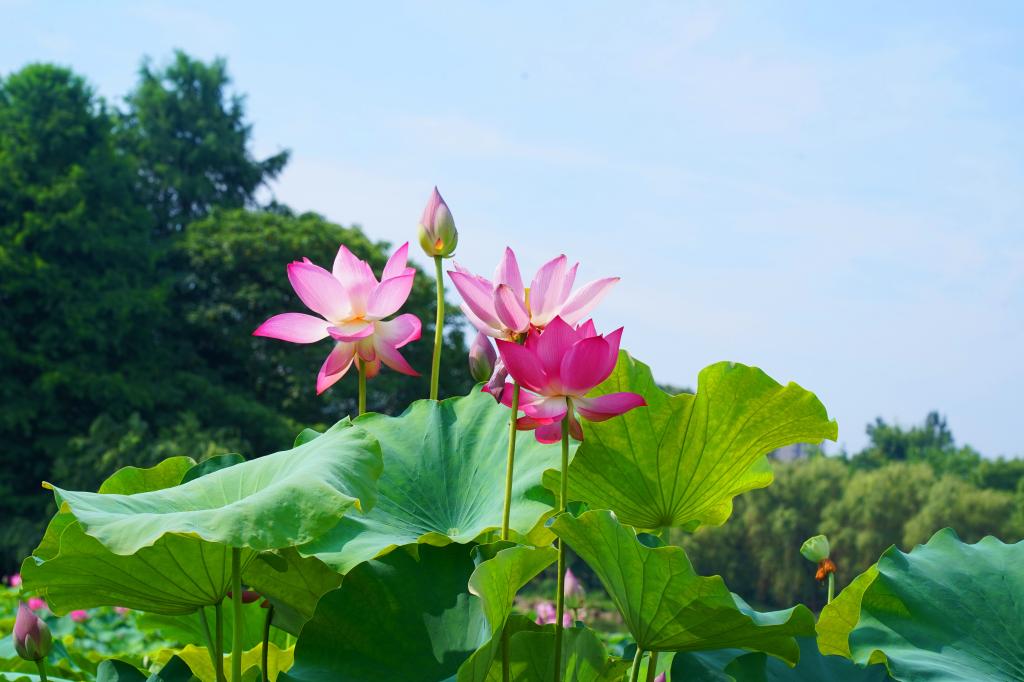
[
  {"x": 14, "y": 580},
  {"x": 560, "y": 365},
  {"x": 352, "y": 306},
  {"x": 31, "y": 635},
  {"x": 547, "y": 613},
  {"x": 79, "y": 615},
  {"x": 37, "y": 603},
  {"x": 122, "y": 611},
  {"x": 504, "y": 309},
  {"x": 572, "y": 584}
]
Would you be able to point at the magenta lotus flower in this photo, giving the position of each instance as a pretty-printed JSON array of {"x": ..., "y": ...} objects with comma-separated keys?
[
  {"x": 32, "y": 639},
  {"x": 14, "y": 580},
  {"x": 79, "y": 615},
  {"x": 37, "y": 603},
  {"x": 559, "y": 365},
  {"x": 352, "y": 306},
  {"x": 505, "y": 309}
]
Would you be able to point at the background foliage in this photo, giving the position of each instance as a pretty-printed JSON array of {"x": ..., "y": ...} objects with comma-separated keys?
[{"x": 137, "y": 257}]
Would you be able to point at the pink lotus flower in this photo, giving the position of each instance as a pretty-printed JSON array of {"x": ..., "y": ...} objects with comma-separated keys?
[
  {"x": 352, "y": 306},
  {"x": 547, "y": 613},
  {"x": 122, "y": 611},
  {"x": 572, "y": 583},
  {"x": 14, "y": 580},
  {"x": 79, "y": 615},
  {"x": 32, "y": 638},
  {"x": 37, "y": 603},
  {"x": 660, "y": 677},
  {"x": 505, "y": 309},
  {"x": 560, "y": 365}
]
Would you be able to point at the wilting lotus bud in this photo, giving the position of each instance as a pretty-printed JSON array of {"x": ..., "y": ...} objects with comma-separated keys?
[
  {"x": 32, "y": 639},
  {"x": 481, "y": 358},
  {"x": 438, "y": 235},
  {"x": 816, "y": 549}
]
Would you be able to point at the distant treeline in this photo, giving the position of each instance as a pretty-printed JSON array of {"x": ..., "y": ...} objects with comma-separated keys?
[
  {"x": 905, "y": 485},
  {"x": 136, "y": 261}
]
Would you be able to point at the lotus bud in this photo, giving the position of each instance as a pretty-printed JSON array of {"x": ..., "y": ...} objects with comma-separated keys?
[
  {"x": 660, "y": 677},
  {"x": 482, "y": 358},
  {"x": 248, "y": 596},
  {"x": 438, "y": 235},
  {"x": 572, "y": 583},
  {"x": 32, "y": 639},
  {"x": 816, "y": 549}
]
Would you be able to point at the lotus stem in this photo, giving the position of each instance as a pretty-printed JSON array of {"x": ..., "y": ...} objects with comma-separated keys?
[
  {"x": 435, "y": 367},
  {"x": 362, "y": 387},
  {"x": 831, "y": 586},
  {"x": 219, "y": 624},
  {"x": 236, "y": 599},
  {"x": 209, "y": 641},
  {"x": 506, "y": 665},
  {"x": 634, "y": 672},
  {"x": 509, "y": 467},
  {"x": 41, "y": 666},
  {"x": 563, "y": 496},
  {"x": 652, "y": 666},
  {"x": 266, "y": 643}
]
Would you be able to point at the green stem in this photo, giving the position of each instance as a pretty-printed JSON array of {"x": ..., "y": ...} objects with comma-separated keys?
[
  {"x": 236, "y": 600},
  {"x": 41, "y": 666},
  {"x": 634, "y": 672},
  {"x": 362, "y": 387},
  {"x": 435, "y": 367},
  {"x": 652, "y": 666},
  {"x": 219, "y": 625},
  {"x": 511, "y": 462},
  {"x": 831, "y": 586},
  {"x": 563, "y": 496},
  {"x": 266, "y": 643},
  {"x": 209, "y": 639},
  {"x": 506, "y": 664}
]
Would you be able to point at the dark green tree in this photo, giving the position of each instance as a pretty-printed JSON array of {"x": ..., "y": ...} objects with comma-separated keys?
[
  {"x": 79, "y": 295},
  {"x": 191, "y": 141}
]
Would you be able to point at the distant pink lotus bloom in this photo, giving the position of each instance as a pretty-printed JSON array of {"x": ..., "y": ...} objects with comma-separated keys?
[
  {"x": 504, "y": 309},
  {"x": 546, "y": 613},
  {"x": 37, "y": 603},
  {"x": 79, "y": 615},
  {"x": 14, "y": 580},
  {"x": 352, "y": 306},
  {"x": 559, "y": 365},
  {"x": 572, "y": 583},
  {"x": 122, "y": 611}
]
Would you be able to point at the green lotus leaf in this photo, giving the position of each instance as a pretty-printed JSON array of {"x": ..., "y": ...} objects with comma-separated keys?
[
  {"x": 443, "y": 476},
  {"x": 211, "y": 464},
  {"x": 665, "y": 604},
  {"x": 584, "y": 658},
  {"x": 113, "y": 670},
  {"x": 189, "y": 629},
  {"x": 280, "y": 500},
  {"x": 406, "y": 616},
  {"x": 176, "y": 575},
  {"x": 681, "y": 460},
  {"x": 503, "y": 571},
  {"x": 947, "y": 611},
  {"x": 201, "y": 666},
  {"x": 293, "y": 584},
  {"x": 839, "y": 618},
  {"x": 736, "y": 665}
]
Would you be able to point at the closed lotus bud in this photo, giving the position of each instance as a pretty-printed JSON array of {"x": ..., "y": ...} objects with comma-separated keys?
[
  {"x": 248, "y": 596},
  {"x": 660, "y": 677},
  {"x": 572, "y": 584},
  {"x": 482, "y": 358},
  {"x": 438, "y": 235},
  {"x": 32, "y": 639},
  {"x": 815, "y": 549}
]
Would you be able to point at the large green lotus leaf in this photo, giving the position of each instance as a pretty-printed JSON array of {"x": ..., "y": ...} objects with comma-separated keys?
[
  {"x": 294, "y": 585},
  {"x": 406, "y": 616},
  {"x": 176, "y": 575},
  {"x": 681, "y": 460},
  {"x": 666, "y": 605},
  {"x": 443, "y": 479},
  {"x": 584, "y": 658},
  {"x": 840, "y": 617},
  {"x": 502, "y": 571},
  {"x": 946, "y": 611},
  {"x": 280, "y": 500},
  {"x": 736, "y": 665}
]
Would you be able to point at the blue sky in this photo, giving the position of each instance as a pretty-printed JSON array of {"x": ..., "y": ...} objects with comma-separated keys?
[{"x": 832, "y": 193}]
